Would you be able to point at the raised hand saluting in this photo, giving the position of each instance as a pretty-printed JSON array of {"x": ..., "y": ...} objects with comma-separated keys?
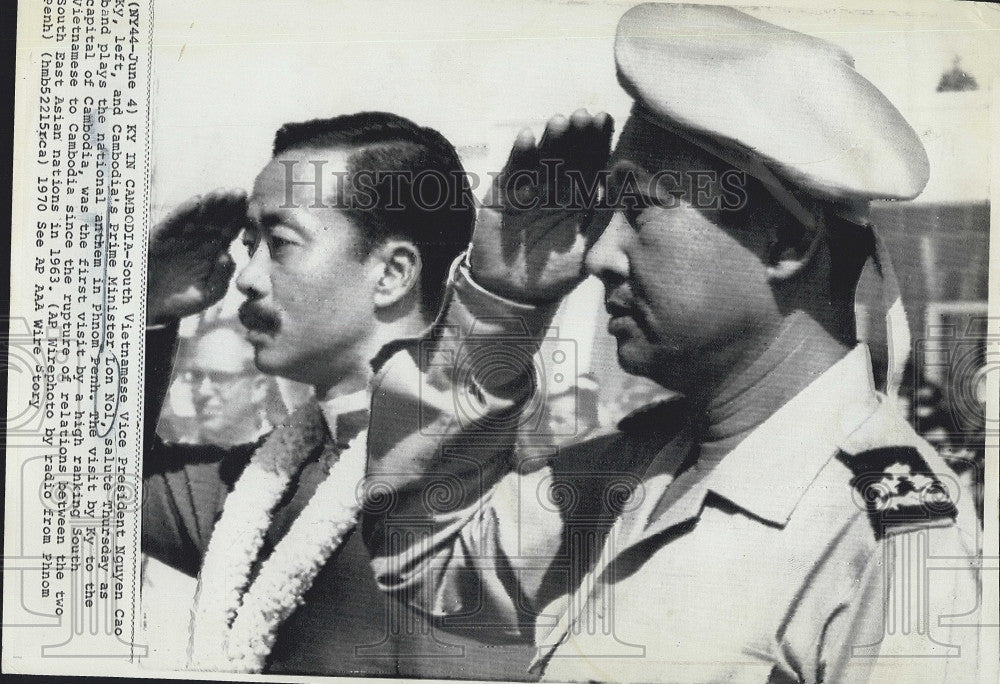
[
  {"x": 189, "y": 262},
  {"x": 528, "y": 243}
]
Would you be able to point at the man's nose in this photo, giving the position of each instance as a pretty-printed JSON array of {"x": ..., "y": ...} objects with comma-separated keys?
[
  {"x": 204, "y": 388},
  {"x": 253, "y": 280},
  {"x": 606, "y": 257}
]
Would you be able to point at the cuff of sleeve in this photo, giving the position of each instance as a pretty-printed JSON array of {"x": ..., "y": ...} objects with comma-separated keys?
[
  {"x": 470, "y": 307},
  {"x": 476, "y": 304}
]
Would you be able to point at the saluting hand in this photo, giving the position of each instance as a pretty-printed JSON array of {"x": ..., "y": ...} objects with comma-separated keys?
[
  {"x": 528, "y": 244},
  {"x": 189, "y": 262}
]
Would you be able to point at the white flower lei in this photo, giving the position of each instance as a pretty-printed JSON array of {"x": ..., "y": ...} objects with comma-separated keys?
[{"x": 233, "y": 630}]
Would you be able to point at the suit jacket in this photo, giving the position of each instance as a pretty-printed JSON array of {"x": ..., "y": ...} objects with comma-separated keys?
[{"x": 346, "y": 625}]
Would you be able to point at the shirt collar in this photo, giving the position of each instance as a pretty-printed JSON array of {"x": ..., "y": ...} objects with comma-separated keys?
[
  {"x": 346, "y": 415},
  {"x": 769, "y": 471}
]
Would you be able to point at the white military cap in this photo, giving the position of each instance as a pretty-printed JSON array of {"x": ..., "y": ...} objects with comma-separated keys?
[{"x": 787, "y": 108}]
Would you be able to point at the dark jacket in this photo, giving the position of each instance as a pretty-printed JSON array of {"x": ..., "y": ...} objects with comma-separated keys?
[{"x": 346, "y": 625}]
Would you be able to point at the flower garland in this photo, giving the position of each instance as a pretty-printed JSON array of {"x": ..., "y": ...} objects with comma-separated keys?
[{"x": 233, "y": 627}]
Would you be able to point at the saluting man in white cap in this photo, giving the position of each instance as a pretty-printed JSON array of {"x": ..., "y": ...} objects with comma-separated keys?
[{"x": 773, "y": 525}]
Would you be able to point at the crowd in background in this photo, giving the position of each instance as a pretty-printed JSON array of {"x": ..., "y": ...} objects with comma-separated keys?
[{"x": 958, "y": 438}]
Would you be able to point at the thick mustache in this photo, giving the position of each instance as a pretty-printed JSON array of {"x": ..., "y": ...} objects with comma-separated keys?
[
  {"x": 618, "y": 304},
  {"x": 257, "y": 317}
]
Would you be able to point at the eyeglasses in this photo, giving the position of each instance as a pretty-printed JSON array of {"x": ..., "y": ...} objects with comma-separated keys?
[{"x": 196, "y": 377}]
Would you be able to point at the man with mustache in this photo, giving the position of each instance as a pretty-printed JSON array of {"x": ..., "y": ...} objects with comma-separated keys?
[
  {"x": 341, "y": 264},
  {"x": 774, "y": 525}
]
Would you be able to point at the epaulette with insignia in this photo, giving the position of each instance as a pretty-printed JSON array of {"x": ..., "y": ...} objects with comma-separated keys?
[{"x": 899, "y": 490}]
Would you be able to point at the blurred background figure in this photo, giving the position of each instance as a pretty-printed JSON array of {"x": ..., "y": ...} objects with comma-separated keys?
[
  {"x": 233, "y": 402},
  {"x": 572, "y": 416},
  {"x": 218, "y": 396},
  {"x": 926, "y": 405}
]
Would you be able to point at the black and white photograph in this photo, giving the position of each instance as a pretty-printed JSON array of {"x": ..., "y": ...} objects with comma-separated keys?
[{"x": 550, "y": 340}]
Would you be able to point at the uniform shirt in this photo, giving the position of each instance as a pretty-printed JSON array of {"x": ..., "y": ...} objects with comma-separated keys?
[{"x": 801, "y": 555}]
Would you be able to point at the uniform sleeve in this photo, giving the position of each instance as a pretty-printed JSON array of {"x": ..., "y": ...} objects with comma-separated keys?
[
  {"x": 184, "y": 486},
  {"x": 914, "y": 614},
  {"x": 442, "y": 496}
]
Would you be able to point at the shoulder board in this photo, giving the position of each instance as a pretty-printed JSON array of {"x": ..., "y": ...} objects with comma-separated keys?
[{"x": 899, "y": 490}]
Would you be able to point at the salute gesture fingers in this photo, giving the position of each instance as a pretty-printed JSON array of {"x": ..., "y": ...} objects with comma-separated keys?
[
  {"x": 189, "y": 262},
  {"x": 528, "y": 243}
]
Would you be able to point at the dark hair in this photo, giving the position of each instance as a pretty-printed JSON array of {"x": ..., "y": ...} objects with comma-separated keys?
[{"x": 387, "y": 190}]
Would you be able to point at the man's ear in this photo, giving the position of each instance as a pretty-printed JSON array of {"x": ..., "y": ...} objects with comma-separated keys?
[{"x": 398, "y": 274}]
